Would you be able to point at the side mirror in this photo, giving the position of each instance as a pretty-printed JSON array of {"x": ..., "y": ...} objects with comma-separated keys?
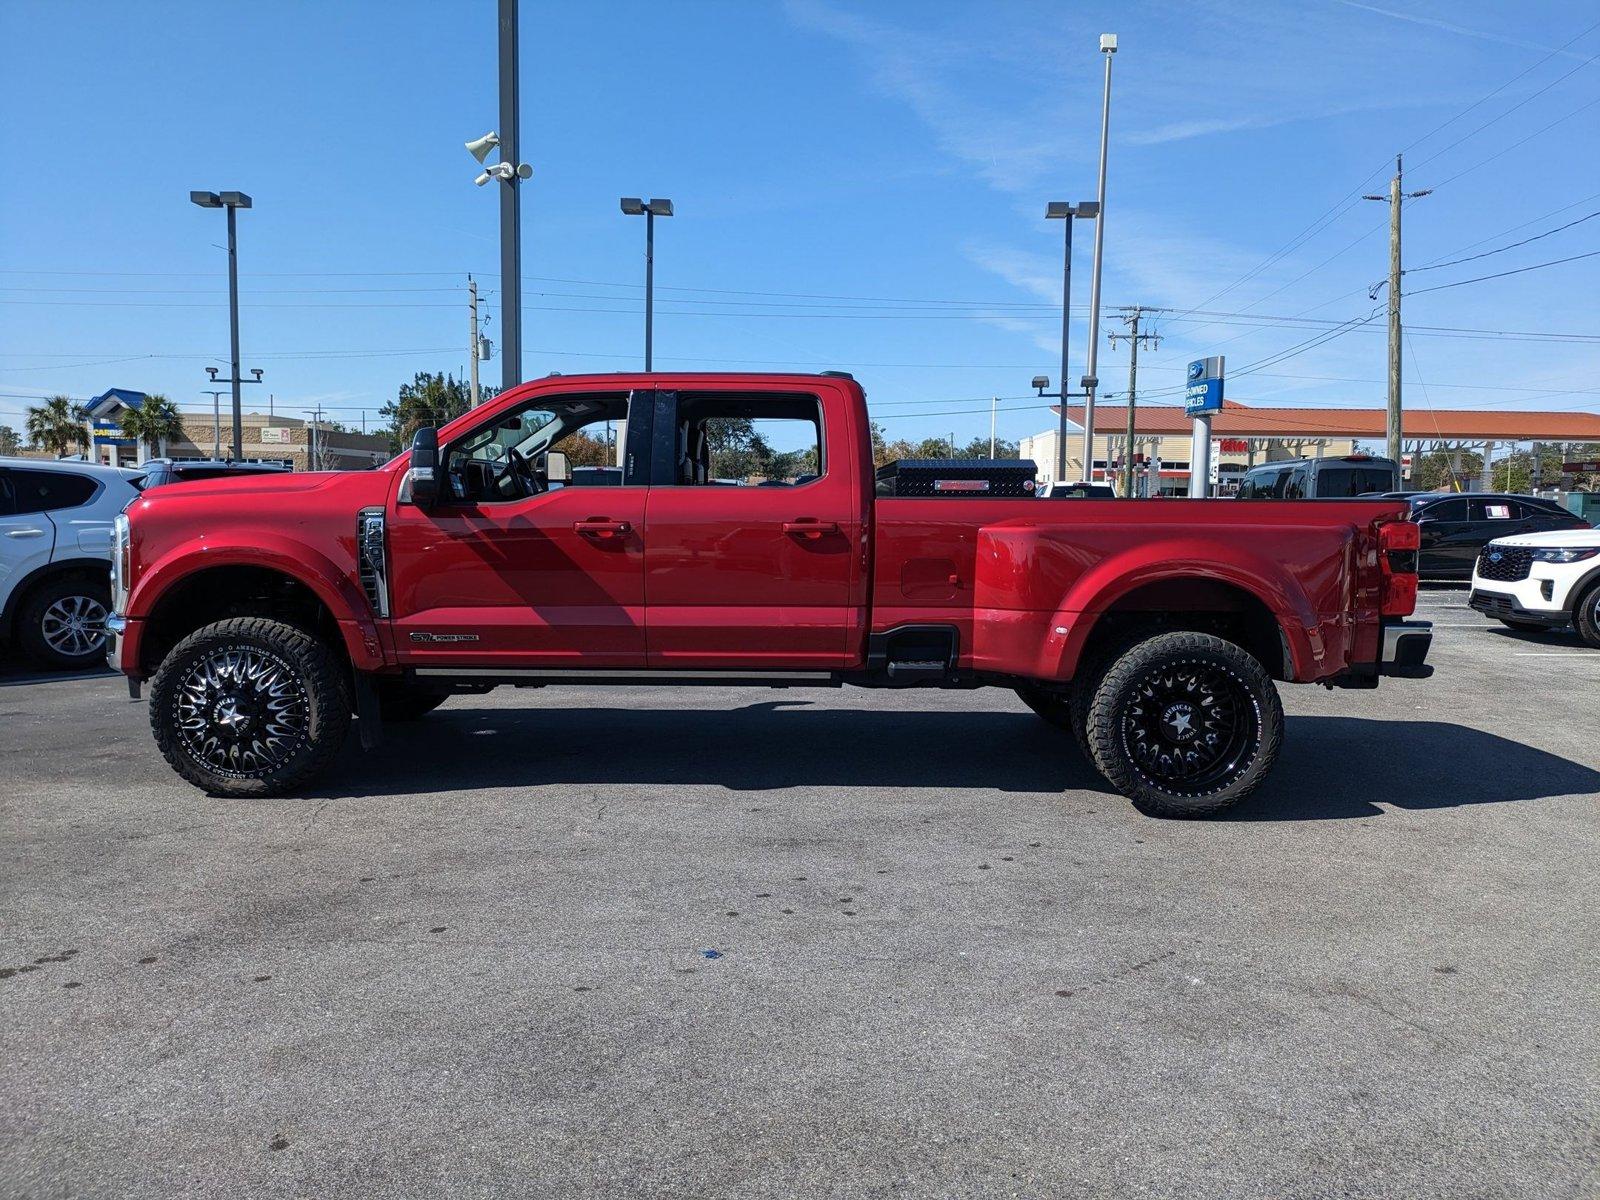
[
  {"x": 421, "y": 484},
  {"x": 556, "y": 469}
]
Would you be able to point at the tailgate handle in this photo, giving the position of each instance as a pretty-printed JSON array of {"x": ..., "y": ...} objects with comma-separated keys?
[
  {"x": 600, "y": 527},
  {"x": 810, "y": 530}
]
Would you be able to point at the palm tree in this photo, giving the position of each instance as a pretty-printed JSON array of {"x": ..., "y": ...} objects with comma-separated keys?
[
  {"x": 154, "y": 422},
  {"x": 57, "y": 425}
]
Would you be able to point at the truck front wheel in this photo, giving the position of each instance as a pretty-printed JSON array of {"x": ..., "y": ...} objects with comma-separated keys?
[
  {"x": 1185, "y": 724},
  {"x": 249, "y": 707}
]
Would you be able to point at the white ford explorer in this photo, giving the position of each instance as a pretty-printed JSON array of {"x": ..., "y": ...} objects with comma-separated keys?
[{"x": 1541, "y": 581}]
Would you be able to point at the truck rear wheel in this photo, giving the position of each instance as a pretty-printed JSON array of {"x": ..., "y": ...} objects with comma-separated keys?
[
  {"x": 1185, "y": 724},
  {"x": 1066, "y": 709},
  {"x": 249, "y": 707}
]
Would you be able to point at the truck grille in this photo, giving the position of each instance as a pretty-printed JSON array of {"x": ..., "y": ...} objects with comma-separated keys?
[{"x": 1504, "y": 563}]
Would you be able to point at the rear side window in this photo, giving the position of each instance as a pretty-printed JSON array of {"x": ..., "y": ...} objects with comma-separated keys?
[
  {"x": 49, "y": 491},
  {"x": 1344, "y": 482},
  {"x": 7, "y": 507},
  {"x": 761, "y": 441},
  {"x": 1496, "y": 510},
  {"x": 1293, "y": 486}
]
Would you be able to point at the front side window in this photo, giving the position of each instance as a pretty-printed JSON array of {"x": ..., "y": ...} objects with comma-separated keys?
[
  {"x": 49, "y": 491},
  {"x": 735, "y": 441},
  {"x": 506, "y": 460}
]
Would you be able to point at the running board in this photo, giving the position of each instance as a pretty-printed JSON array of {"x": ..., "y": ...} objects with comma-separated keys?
[{"x": 540, "y": 677}]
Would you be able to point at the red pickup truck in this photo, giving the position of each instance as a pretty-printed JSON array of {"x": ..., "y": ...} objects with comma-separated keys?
[{"x": 267, "y": 612}]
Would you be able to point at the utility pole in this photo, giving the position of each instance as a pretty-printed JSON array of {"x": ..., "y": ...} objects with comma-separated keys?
[
  {"x": 216, "y": 423},
  {"x": 472, "y": 344},
  {"x": 1091, "y": 383},
  {"x": 993, "y": 404},
  {"x": 1131, "y": 318},
  {"x": 1395, "y": 198},
  {"x": 510, "y": 205}
]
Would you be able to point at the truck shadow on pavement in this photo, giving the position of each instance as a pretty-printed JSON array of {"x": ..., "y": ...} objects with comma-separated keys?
[{"x": 1326, "y": 771}]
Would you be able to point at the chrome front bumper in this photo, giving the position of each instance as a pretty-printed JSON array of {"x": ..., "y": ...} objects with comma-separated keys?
[{"x": 116, "y": 626}]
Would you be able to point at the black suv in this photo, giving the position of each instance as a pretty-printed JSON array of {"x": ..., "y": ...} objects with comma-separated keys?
[
  {"x": 158, "y": 472},
  {"x": 1455, "y": 526}
]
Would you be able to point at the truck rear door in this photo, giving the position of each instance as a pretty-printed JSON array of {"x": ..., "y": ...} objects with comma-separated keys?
[{"x": 751, "y": 524}]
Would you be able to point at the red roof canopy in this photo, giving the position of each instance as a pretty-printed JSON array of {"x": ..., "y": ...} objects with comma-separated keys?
[{"x": 1418, "y": 423}]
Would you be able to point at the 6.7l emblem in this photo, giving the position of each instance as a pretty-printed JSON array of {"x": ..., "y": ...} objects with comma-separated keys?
[{"x": 444, "y": 637}]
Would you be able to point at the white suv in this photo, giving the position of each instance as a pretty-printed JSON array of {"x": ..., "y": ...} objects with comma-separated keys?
[
  {"x": 55, "y": 556},
  {"x": 1541, "y": 581}
]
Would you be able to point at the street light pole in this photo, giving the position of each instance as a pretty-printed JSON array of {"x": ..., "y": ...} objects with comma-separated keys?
[
  {"x": 510, "y": 205},
  {"x": 1058, "y": 210},
  {"x": 216, "y": 423},
  {"x": 633, "y": 206},
  {"x": 232, "y": 201},
  {"x": 1108, "y": 47}
]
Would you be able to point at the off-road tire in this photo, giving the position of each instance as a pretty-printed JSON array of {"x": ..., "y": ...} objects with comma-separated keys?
[
  {"x": 309, "y": 675},
  {"x": 1586, "y": 615},
  {"x": 50, "y": 601},
  {"x": 1523, "y": 626},
  {"x": 1159, "y": 702},
  {"x": 406, "y": 702}
]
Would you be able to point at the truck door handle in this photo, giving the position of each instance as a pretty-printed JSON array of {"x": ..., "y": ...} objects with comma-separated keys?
[
  {"x": 810, "y": 530},
  {"x": 601, "y": 528},
  {"x": 23, "y": 533}
]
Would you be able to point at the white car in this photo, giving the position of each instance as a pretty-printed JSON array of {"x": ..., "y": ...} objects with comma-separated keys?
[
  {"x": 55, "y": 556},
  {"x": 1535, "y": 581}
]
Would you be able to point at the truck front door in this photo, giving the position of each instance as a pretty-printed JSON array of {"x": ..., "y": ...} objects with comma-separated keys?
[
  {"x": 752, "y": 533},
  {"x": 509, "y": 569}
]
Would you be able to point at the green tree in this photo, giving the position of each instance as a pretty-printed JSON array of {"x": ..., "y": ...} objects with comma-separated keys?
[
  {"x": 978, "y": 447},
  {"x": 152, "y": 423},
  {"x": 429, "y": 399},
  {"x": 10, "y": 442},
  {"x": 56, "y": 426},
  {"x": 1440, "y": 468}
]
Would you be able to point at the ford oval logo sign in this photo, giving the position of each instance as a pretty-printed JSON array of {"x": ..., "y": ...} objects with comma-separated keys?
[{"x": 1495, "y": 556}]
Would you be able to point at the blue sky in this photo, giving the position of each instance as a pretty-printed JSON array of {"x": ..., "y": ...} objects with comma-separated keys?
[{"x": 857, "y": 185}]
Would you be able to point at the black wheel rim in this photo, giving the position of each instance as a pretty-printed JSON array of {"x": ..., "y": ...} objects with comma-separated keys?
[
  {"x": 1190, "y": 728},
  {"x": 242, "y": 711}
]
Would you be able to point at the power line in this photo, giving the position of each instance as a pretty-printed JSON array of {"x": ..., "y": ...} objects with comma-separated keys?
[
  {"x": 1501, "y": 250},
  {"x": 1555, "y": 262},
  {"x": 1520, "y": 141}
]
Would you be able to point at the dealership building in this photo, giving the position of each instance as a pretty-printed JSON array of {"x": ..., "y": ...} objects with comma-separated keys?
[
  {"x": 266, "y": 437},
  {"x": 1245, "y": 435}
]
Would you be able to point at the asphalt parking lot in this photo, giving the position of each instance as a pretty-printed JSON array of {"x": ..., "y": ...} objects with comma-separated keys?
[{"x": 725, "y": 942}]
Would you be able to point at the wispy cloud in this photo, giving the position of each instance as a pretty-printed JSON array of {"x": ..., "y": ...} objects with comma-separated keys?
[
  {"x": 1010, "y": 147},
  {"x": 1449, "y": 27}
]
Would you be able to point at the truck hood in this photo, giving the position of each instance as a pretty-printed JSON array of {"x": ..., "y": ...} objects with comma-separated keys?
[
  {"x": 1555, "y": 537},
  {"x": 261, "y": 501}
]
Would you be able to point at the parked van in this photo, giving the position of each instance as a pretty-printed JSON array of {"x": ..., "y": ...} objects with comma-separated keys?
[{"x": 1320, "y": 478}]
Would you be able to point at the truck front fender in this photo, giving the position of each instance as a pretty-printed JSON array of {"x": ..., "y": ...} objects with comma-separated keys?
[{"x": 336, "y": 589}]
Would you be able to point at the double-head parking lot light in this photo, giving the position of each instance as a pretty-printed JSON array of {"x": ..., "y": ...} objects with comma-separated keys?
[{"x": 633, "y": 206}]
